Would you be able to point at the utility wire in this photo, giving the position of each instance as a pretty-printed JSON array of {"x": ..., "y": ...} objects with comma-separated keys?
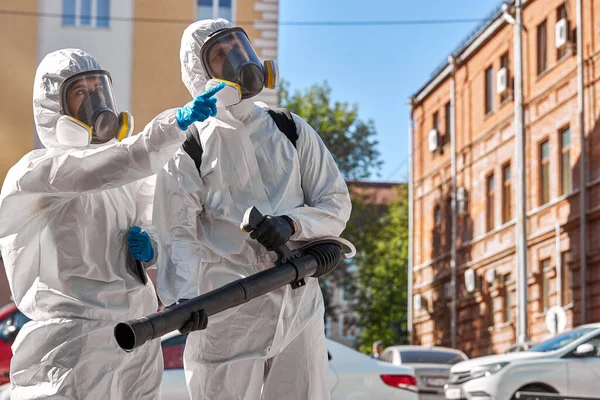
[{"x": 281, "y": 23}]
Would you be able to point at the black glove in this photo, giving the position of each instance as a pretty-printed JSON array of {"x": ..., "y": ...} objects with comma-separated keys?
[
  {"x": 197, "y": 322},
  {"x": 274, "y": 231}
]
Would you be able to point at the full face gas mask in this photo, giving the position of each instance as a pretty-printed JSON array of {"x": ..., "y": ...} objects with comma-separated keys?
[
  {"x": 89, "y": 114},
  {"x": 227, "y": 56}
]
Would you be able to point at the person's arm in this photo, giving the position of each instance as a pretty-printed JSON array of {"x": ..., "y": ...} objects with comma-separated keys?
[
  {"x": 326, "y": 198},
  {"x": 39, "y": 184},
  {"x": 175, "y": 213}
]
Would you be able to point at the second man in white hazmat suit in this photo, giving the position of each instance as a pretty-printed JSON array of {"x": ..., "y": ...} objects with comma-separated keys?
[
  {"x": 67, "y": 212},
  {"x": 272, "y": 347}
]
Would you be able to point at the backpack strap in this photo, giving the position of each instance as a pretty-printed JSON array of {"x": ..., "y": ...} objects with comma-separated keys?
[
  {"x": 193, "y": 147},
  {"x": 281, "y": 116},
  {"x": 285, "y": 123}
]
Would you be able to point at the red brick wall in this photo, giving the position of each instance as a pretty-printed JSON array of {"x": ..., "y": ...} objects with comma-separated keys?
[{"x": 484, "y": 144}]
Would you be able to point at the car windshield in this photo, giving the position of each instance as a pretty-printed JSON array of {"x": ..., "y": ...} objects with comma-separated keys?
[
  {"x": 561, "y": 341},
  {"x": 430, "y": 357}
]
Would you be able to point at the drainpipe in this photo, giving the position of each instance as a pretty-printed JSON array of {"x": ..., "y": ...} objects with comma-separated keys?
[
  {"x": 453, "y": 306},
  {"x": 582, "y": 168},
  {"x": 521, "y": 189},
  {"x": 411, "y": 131}
]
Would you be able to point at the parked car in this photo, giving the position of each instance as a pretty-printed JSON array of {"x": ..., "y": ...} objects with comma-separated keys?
[
  {"x": 11, "y": 322},
  {"x": 568, "y": 364},
  {"x": 351, "y": 374},
  {"x": 431, "y": 365}
]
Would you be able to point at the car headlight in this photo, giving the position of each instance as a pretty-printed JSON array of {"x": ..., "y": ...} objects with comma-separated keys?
[{"x": 487, "y": 370}]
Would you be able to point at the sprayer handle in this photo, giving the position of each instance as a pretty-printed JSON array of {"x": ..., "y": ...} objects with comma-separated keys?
[{"x": 252, "y": 219}]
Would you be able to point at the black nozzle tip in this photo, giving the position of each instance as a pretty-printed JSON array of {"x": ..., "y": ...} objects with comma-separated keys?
[{"x": 125, "y": 336}]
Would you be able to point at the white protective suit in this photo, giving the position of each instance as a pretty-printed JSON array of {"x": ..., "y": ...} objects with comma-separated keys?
[
  {"x": 277, "y": 338},
  {"x": 65, "y": 216}
]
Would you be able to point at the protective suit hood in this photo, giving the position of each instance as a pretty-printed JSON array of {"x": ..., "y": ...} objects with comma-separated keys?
[
  {"x": 51, "y": 73},
  {"x": 193, "y": 73}
]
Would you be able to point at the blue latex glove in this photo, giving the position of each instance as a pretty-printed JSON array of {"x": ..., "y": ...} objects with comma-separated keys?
[
  {"x": 140, "y": 245},
  {"x": 199, "y": 109}
]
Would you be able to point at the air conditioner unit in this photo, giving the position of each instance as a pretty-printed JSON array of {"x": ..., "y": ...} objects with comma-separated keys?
[
  {"x": 502, "y": 81},
  {"x": 470, "y": 280},
  {"x": 461, "y": 200},
  {"x": 561, "y": 32},
  {"x": 490, "y": 275},
  {"x": 434, "y": 140},
  {"x": 419, "y": 302}
]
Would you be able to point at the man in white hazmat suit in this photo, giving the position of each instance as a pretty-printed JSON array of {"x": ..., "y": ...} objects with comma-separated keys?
[
  {"x": 272, "y": 347},
  {"x": 66, "y": 215}
]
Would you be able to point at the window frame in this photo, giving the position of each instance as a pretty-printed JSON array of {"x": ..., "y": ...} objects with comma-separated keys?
[
  {"x": 91, "y": 21},
  {"x": 561, "y": 12},
  {"x": 566, "y": 279},
  {"x": 563, "y": 189},
  {"x": 215, "y": 10},
  {"x": 490, "y": 220},
  {"x": 504, "y": 63},
  {"x": 448, "y": 111},
  {"x": 546, "y": 266},
  {"x": 542, "y": 47},
  {"x": 507, "y": 209},
  {"x": 489, "y": 91},
  {"x": 544, "y": 165}
]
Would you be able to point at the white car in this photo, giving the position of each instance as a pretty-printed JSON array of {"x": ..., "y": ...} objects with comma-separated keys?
[
  {"x": 431, "y": 365},
  {"x": 352, "y": 375},
  {"x": 568, "y": 364}
]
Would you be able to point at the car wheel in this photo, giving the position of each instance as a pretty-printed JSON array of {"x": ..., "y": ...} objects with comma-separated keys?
[{"x": 535, "y": 389}]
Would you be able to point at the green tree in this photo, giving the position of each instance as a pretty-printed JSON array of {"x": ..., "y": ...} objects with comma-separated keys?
[
  {"x": 350, "y": 139},
  {"x": 382, "y": 276}
]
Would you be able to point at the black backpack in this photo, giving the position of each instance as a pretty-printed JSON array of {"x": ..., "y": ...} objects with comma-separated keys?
[{"x": 282, "y": 117}]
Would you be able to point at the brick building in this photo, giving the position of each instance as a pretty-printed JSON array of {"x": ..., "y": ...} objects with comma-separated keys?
[{"x": 476, "y": 88}]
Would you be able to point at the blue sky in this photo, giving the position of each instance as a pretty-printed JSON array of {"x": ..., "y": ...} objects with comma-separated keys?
[{"x": 376, "y": 67}]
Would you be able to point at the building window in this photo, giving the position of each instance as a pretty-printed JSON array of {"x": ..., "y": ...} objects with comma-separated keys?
[
  {"x": 435, "y": 121},
  {"x": 508, "y": 303},
  {"x": 561, "y": 13},
  {"x": 348, "y": 326},
  {"x": 489, "y": 90},
  {"x": 91, "y": 13},
  {"x": 566, "y": 278},
  {"x": 448, "y": 111},
  {"x": 448, "y": 225},
  {"x": 103, "y": 13},
  {"x": 545, "y": 268},
  {"x": 504, "y": 97},
  {"x": 542, "y": 47},
  {"x": 506, "y": 194},
  {"x": 447, "y": 290},
  {"x": 207, "y": 9},
  {"x": 437, "y": 216},
  {"x": 566, "y": 173},
  {"x": 345, "y": 295},
  {"x": 490, "y": 203},
  {"x": 545, "y": 172}
]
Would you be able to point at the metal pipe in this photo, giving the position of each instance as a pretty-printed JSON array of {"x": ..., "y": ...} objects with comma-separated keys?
[
  {"x": 520, "y": 228},
  {"x": 453, "y": 306},
  {"x": 582, "y": 167},
  {"x": 411, "y": 169}
]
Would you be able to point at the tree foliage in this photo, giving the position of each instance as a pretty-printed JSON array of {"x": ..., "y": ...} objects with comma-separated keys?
[
  {"x": 350, "y": 139},
  {"x": 382, "y": 276}
]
